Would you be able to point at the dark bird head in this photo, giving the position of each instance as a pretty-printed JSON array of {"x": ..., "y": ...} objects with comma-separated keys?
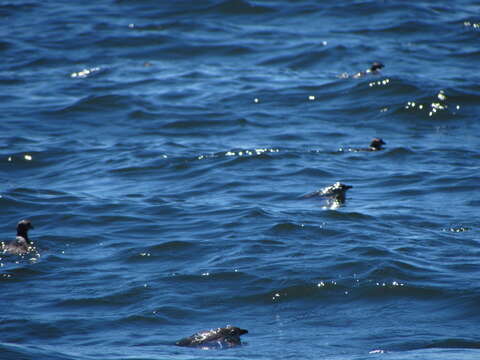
[
  {"x": 376, "y": 66},
  {"x": 377, "y": 143},
  {"x": 22, "y": 229},
  {"x": 336, "y": 190},
  {"x": 230, "y": 330}
]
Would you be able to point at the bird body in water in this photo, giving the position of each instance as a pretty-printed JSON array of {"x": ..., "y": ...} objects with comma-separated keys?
[
  {"x": 22, "y": 244},
  {"x": 374, "y": 69},
  {"x": 220, "y": 338},
  {"x": 334, "y": 192},
  {"x": 375, "y": 145}
]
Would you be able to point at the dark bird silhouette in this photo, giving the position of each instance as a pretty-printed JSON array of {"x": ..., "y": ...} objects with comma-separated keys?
[
  {"x": 21, "y": 244},
  {"x": 334, "y": 192},
  {"x": 220, "y": 338},
  {"x": 374, "y": 69},
  {"x": 376, "y": 144}
]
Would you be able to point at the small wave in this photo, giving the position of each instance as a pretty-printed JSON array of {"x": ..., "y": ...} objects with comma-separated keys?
[
  {"x": 189, "y": 51},
  {"x": 381, "y": 290},
  {"x": 207, "y": 124},
  {"x": 168, "y": 249},
  {"x": 115, "y": 298},
  {"x": 401, "y": 269},
  {"x": 290, "y": 227},
  {"x": 301, "y": 59},
  {"x": 156, "y": 161},
  {"x": 347, "y": 215},
  {"x": 91, "y": 103},
  {"x": 311, "y": 172},
  {"x": 408, "y": 27},
  {"x": 346, "y": 291},
  {"x": 286, "y": 227},
  {"x": 26, "y": 352},
  {"x": 447, "y": 343},
  {"x": 240, "y": 7},
  {"x": 160, "y": 316},
  {"x": 133, "y": 41},
  {"x": 172, "y": 245}
]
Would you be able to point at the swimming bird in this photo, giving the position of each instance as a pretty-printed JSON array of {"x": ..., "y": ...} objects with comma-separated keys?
[
  {"x": 220, "y": 338},
  {"x": 22, "y": 244},
  {"x": 336, "y": 192},
  {"x": 376, "y": 144},
  {"x": 374, "y": 69}
]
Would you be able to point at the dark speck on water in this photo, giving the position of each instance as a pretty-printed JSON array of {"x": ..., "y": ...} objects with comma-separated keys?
[{"x": 162, "y": 149}]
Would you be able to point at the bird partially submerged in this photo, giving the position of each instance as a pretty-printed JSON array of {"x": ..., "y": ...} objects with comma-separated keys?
[
  {"x": 220, "y": 338},
  {"x": 336, "y": 190},
  {"x": 334, "y": 194},
  {"x": 377, "y": 144},
  {"x": 22, "y": 244},
  {"x": 374, "y": 69}
]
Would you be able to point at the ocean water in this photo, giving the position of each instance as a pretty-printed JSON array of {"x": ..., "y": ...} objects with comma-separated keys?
[{"x": 162, "y": 148}]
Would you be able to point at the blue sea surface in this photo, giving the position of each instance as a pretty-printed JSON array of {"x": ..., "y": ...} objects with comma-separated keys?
[{"x": 162, "y": 150}]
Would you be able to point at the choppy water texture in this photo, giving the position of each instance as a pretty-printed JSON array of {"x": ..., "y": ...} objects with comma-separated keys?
[{"x": 162, "y": 150}]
